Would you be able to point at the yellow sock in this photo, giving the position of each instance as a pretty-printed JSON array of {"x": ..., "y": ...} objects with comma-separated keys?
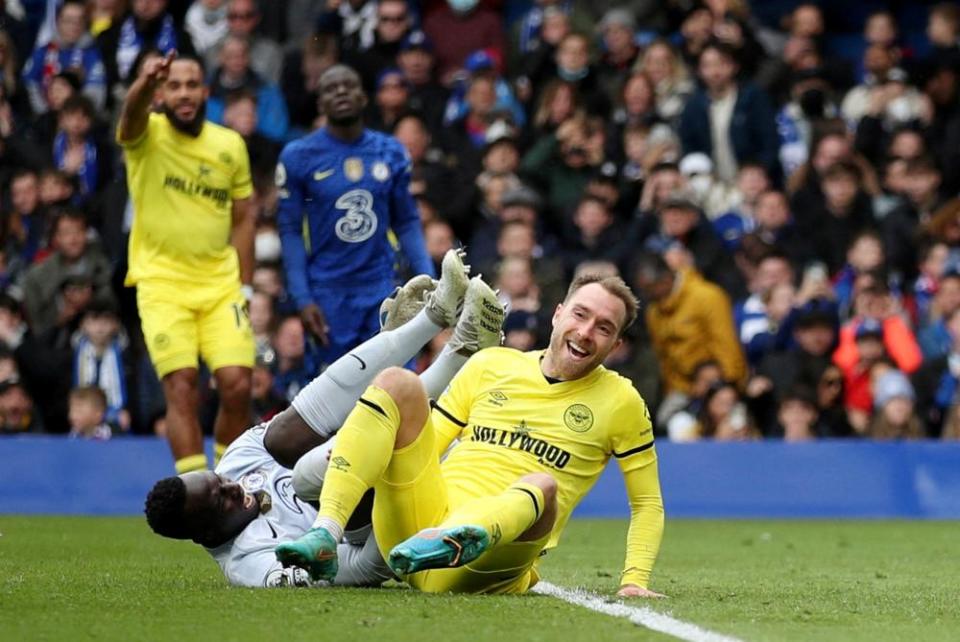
[
  {"x": 364, "y": 447},
  {"x": 191, "y": 463},
  {"x": 505, "y": 516},
  {"x": 218, "y": 450}
]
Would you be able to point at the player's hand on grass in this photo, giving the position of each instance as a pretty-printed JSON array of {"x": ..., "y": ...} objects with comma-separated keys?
[
  {"x": 315, "y": 323},
  {"x": 632, "y": 590}
]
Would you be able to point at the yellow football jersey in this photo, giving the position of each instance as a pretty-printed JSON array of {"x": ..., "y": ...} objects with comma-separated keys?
[
  {"x": 512, "y": 421},
  {"x": 183, "y": 188}
]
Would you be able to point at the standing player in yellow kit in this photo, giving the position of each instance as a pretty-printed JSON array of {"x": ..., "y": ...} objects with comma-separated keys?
[
  {"x": 535, "y": 431},
  {"x": 191, "y": 249}
]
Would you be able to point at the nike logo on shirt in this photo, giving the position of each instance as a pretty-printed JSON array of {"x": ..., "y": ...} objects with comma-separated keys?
[{"x": 319, "y": 176}]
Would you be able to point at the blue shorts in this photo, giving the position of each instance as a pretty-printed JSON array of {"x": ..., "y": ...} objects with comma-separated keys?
[{"x": 353, "y": 317}]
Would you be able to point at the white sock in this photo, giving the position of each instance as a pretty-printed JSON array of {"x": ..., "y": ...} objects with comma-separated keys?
[
  {"x": 335, "y": 529},
  {"x": 438, "y": 375},
  {"x": 326, "y": 401}
]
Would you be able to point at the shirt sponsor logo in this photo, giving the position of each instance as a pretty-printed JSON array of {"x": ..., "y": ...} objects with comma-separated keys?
[
  {"x": 190, "y": 188},
  {"x": 520, "y": 439}
]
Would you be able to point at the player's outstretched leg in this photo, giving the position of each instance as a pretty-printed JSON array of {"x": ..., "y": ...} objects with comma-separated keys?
[
  {"x": 316, "y": 551},
  {"x": 439, "y": 548},
  {"x": 480, "y": 325},
  {"x": 406, "y": 301},
  {"x": 444, "y": 304}
]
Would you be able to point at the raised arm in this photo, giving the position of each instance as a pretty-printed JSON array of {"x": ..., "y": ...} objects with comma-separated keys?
[{"x": 136, "y": 106}]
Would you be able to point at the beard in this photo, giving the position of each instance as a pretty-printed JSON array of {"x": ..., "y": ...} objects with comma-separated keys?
[
  {"x": 189, "y": 127},
  {"x": 344, "y": 121}
]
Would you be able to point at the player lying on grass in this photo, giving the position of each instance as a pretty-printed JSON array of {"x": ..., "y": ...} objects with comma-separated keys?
[
  {"x": 535, "y": 431},
  {"x": 253, "y": 500}
]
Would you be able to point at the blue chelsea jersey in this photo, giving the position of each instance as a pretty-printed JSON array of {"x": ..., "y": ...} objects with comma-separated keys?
[{"x": 352, "y": 194}]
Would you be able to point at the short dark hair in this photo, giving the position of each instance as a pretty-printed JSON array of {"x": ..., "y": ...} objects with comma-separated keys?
[
  {"x": 79, "y": 103},
  {"x": 164, "y": 508},
  {"x": 651, "y": 266},
  {"x": 67, "y": 214},
  {"x": 721, "y": 48}
]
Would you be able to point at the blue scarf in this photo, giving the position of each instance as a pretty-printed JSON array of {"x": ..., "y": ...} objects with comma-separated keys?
[
  {"x": 131, "y": 42},
  {"x": 87, "y": 175}
]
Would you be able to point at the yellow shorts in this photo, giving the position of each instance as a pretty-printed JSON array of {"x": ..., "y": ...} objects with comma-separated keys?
[
  {"x": 181, "y": 323},
  {"x": 412, "y": 495}
]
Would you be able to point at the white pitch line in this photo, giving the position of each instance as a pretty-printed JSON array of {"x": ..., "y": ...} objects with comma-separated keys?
[{"x": 640, "y": 615}]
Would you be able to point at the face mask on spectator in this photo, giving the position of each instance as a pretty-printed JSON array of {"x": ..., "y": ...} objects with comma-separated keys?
[
  {"x": 462, "y": 6},
  {"x": 700, "y": 184},
  {"x": 266, "y": 247}
]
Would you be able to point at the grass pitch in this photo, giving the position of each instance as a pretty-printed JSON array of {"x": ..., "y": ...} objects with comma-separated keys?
[{"x": 111, "y": 579}]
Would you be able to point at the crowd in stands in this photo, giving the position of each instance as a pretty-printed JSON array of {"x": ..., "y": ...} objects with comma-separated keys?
[{"x": 779, "y": 180}]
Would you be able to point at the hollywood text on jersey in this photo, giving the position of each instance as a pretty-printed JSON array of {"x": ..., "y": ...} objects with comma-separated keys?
[
  {"x": 545, "y": 452},
  {"x": 186, "y": 186}
]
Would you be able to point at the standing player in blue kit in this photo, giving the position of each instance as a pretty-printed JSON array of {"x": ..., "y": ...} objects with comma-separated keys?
[{"x": 352, "y": 184}]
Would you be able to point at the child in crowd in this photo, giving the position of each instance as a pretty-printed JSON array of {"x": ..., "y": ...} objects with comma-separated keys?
[{"x": 88, "y": 410}]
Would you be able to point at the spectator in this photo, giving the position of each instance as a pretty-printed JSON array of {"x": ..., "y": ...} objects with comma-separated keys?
[
  {"x": 88, "y": 408},
  {"x": 894, "y": 417},
  {"x": 234, "y": 74},
  {"x": 758, "y": 317},
  {"x": 146, "y": 26},
  {"x": 943, "y": 32},
  {"x": 300, "y": 81},
  {"x": 262, "y": 320},
  {"x": 563, "y": 163},
  {"x": 846, "y": 212},
  {"x": 99, "y": 360},
  {"x": 206, "y": 22},
  {"x": 265, "y": 402},
  {"x": 27, "y": 225},
  {"x": 439, "y": 239},
  {"x": 682, "y": 224},
  {"x": 427, "y": 96},
  {"x": 241, "y": 115},
  {"x": 17, "y": 409},
  {"x": 243, "y": 20},
  {"x": 390, "y": 100},
  {"x": 885, "y": 99},
  {"x": 936, "y": 383},
  {"x": 797, "y": 415},
  {"x": 690, "y": 321},
  {"x": 352, "y": 21},
  {"x": 520, "y": 330},
  {"x": 557, "y": 103},
  {"x": 49, "y": 300},
  {"x": 41, "y": 371},
  {"x": 620, "y": 52},
  {"x": 593, "y": 234},
  {"x": 393, "y": 23},
  {"x": 457, "y": 29},
  {"x": 731, "y": 121},
  {"x": 518, "y": 286},
  {"x": 294, "y": 366},
  {"x": 712, "y": 196},
  {"x": 671, "y": 79},
  {"x": 934, "y": 336},
  {"x": 77, "y": 151},
  {"x": 724, "y": 417},
  {"x": 72, "y": 49}
]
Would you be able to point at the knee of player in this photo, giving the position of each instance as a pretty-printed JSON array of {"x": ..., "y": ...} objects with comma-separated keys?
[
  {"x": 235, "y": 388},
  {"x": 307, "y": 482},
  {"x": 401, "y": 384},
  {"x": 547, "y": 485},
  {"x": 181, "y": 384}
]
